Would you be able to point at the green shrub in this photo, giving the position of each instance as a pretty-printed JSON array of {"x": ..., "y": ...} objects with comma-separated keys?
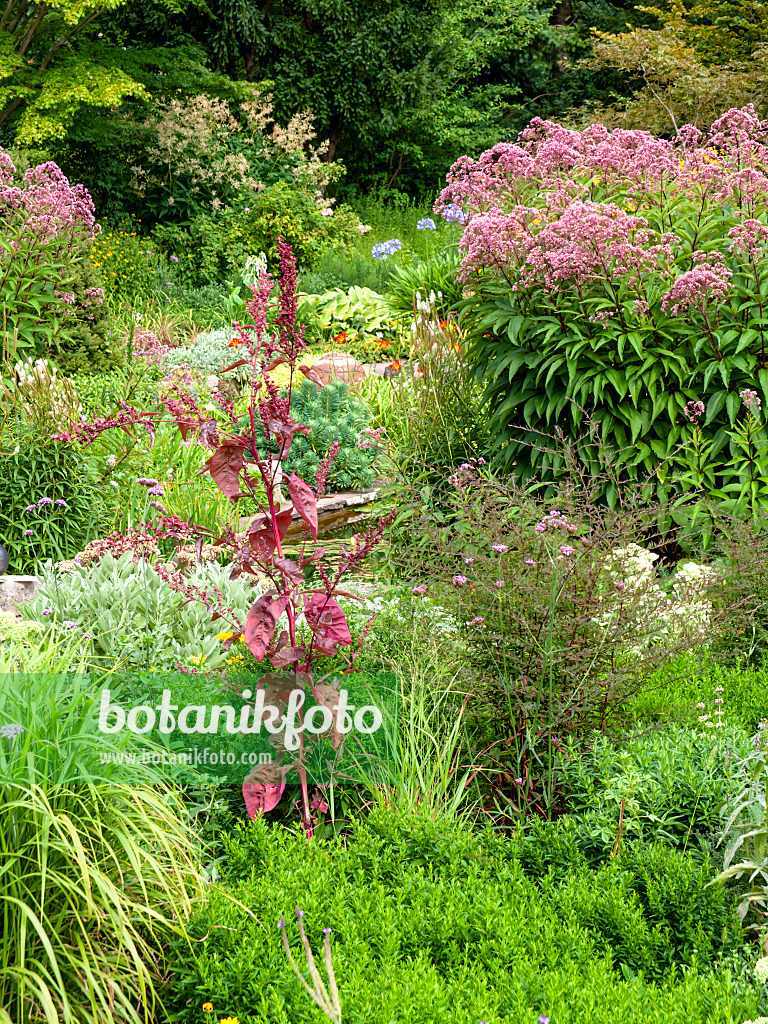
[
  {"x": 337, "y": 270},
  {"x": 221, "y": 243},
  {"x": 101, "y": 392},
  {"x": 32, "y": 467},
  {"x": 332, "y": 414},
  {"x": 432, "y": 923},
  {"x": 133, "y": 616},
  {"x": 88, "y": 340},
  {"x": 672, "y": 783}
]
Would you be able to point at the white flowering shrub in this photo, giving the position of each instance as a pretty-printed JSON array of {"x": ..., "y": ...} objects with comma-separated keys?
[
  {"x": 680, "y": 607},
  {"x": 44, "y": 398}
]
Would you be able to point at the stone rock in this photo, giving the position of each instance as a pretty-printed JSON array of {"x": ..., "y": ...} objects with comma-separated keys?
[
  {"x": 17, "y": 589},
  {"x": 339, "y": 366}
]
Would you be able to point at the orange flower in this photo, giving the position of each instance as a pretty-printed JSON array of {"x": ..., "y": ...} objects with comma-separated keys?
[
  {"x": 235, "y": 342},
  {"x": 444, "y": 325},
  {"x": 395, "y": 365},
  {"x": 384, "y": 342},
  {"x": 457, "y": 346},
  {"x": 341, "y": 338}
]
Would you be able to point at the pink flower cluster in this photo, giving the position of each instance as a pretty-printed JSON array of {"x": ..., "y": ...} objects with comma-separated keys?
[
  {"x": 697, "y": 288},
  {"x": 568, "y": 209},
  {"x": 46, "y": 203}
]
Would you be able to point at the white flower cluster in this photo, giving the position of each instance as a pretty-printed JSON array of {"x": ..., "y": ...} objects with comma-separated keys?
[
  {"x": 43, "y": 395},
  {"x": 255, "y": 266},
  {"x": 760, "y": 970},
  {"x": 681, "y": 609},
  {"x": 757, "y": 1020}
]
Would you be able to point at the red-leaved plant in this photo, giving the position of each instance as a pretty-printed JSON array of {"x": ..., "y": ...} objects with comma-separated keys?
[{"x": 317, "y": 626}]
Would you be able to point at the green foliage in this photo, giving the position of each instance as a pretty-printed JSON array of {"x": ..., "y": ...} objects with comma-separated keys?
[
  {"x": 133, "y": 615},
  {"x": 101, "y": 392},
  {"x": 333, "y": 414},
  {"x": 222, "y": 243},
  {"x": 99, "y": 866},
  {"x": 671, "y": 783},
  {"x": 87, "y": 340},
  {"x": 677, "y": 690},
  {"x": 209, "y": 354},
  {"x": 437, "y": 275},
  {"x": 432, "y": 922},
  {"x": 32, "y": 466},
  {"x": 336, "y": 270}
]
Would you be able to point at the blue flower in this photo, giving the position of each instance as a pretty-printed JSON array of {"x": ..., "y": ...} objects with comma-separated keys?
[
  {"x": 426, "y": 224},
  {"x": 454, "y": 214},
  {"x": 386, "y": 249}
]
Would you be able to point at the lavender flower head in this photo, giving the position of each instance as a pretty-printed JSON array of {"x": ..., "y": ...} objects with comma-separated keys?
[
  {"x": 694, "y": 410},
  {"x": 500, "y": 548},
  {"x": 454, "y": 214},
  {"x": 426, "y": 224},
  {"x": 146, "y": 481},
  {"x": 384, "y": 250},
  {"x": 12, "y": 729},
  {"x": 459, "y": 580},
  {"x": 44, "y": 501}
]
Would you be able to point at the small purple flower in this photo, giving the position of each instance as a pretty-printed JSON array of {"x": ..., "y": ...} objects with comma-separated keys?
[
  {"x": 749, "y": 398},
  {"x": 156, "y": 490},
  {"x": 44, "y": 501},
  {"x": 421, "y": 589},
  {"x": 175, "y": 259},
  {"x": 540, "y": 528},
  {"x": 566, "y": 550},
  {"x": 518, "y": 782},
  {"x": 477, "y": 621},
  {"x": 87, "y": 636},
  {"x": 619, "y": 585},
  {"x": 61, "y": 503},
  {"x": 28, "y": 533},
  {"x": 500, "y": 548},
  {"x": 159, "y": 506},
  {"x": 459, "y": 580},
  {"x": 469, "y": 561},
  {"x": 327, "y": 931},
  {"x": 30, "y": 508},
  {"x": 281, "y": 922},
  {"x": 299, "y": 913},
  {"x": 529, "y": 561},
  {"x": 454, "y": 214},
  {"x": 12, "y": 729},
  {"x": 146, "y": 481},
  {"x": 47, "y": 611},
  {"x": 426, "y": 224},
  {"x": 498, "y": 584},
  {"x": 69, "y": 624},
  {"x": 543, "y": 1019}
]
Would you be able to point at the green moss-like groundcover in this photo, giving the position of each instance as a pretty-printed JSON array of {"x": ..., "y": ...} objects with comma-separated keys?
[{"x": 435, "y": 923}]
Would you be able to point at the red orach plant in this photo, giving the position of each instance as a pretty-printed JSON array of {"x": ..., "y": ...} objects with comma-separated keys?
[{"x": 317, "y": 626}]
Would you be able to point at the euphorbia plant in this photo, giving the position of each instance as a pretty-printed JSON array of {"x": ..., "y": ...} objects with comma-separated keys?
[{"x": 316, "y": 624}]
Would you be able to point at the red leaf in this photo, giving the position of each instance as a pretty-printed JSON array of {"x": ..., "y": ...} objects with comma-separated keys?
[
  {"x": 233, "y": 366},
  {"x": 290, "y": 568},
  {"x": 327, "y": 622},
  {"x": 274, "y": 364},
  {"x": 262, "y": 539},
  {"x": 224, "y": 466},
  {"x": 312, "y": 375},
  {"x": 262, "y": 789},
  {"x": 316, "y": 555},
  {"x": 261, "y": 622},
  {"x": 304, "y": 502},
  {"x": 288, "y": 656}
]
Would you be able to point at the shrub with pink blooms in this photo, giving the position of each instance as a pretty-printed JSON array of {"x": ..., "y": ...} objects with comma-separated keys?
[
  {"x": 616, "y": 277},
  {"x": 52, "y": 297}
]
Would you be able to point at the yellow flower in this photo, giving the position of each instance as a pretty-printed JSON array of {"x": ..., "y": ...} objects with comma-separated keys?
[
  {"x": 207, "y": 1007},
  {"x": 223, "y": 636},
  {"x": 229, "y": 1020}
]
